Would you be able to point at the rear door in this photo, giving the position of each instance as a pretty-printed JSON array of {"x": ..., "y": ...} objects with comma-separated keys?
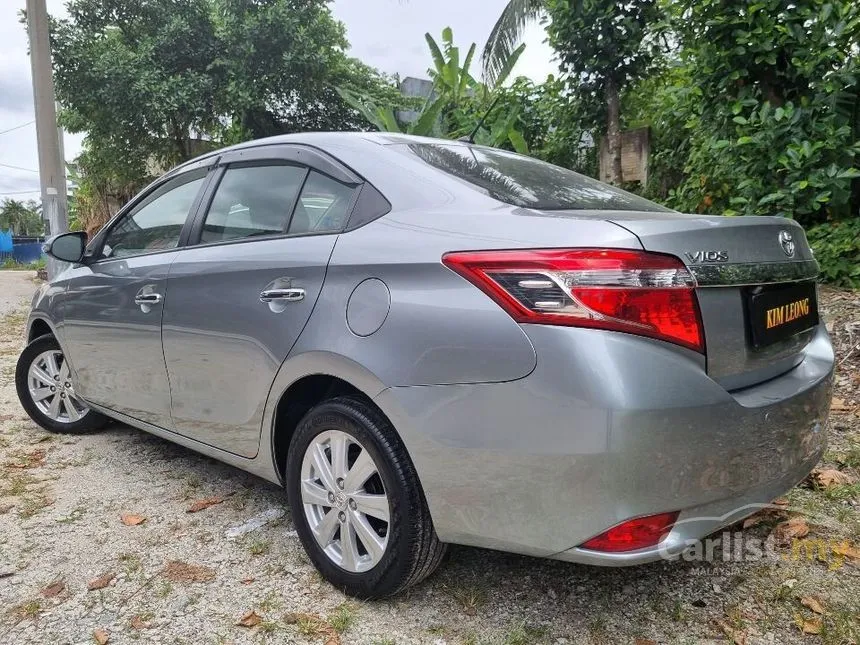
[
  {"x": 112, "y": 306},
  {"x": 241, "y": 293}
]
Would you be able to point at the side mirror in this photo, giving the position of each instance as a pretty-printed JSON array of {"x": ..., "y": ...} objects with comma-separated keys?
[{"x": 68, "y": 247}]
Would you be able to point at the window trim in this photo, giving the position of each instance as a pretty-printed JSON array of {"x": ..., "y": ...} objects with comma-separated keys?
[{"x": 162, "y": 186}]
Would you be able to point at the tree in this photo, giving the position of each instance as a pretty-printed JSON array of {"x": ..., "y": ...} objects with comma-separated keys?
[
  {"x": 158, "y": 78},
  {"x": 22, "y": 218},
  {"x": 775, "y": 127},
  {"x": 457, "y": 103},
  {"x": 602, "y": 46},
  {"x": 156, "y": 82}
]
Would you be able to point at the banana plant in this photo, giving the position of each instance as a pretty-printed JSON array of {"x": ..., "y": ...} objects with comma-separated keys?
[
  {"x": 457, "y": 102},
  {"x": 383, "y": 119}
]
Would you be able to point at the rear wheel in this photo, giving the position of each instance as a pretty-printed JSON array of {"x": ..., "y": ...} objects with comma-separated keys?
[
  {"x": 357, "y": 503},
  {"x": 45, "y": 389}
]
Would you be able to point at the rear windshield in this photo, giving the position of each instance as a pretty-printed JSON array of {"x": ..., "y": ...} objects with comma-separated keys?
[{"x": 526, "y": 182}]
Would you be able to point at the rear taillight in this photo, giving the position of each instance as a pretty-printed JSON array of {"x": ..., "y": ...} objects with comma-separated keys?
[
  {"x": 633, "y": 534},
  {"x": 648, "y": 294}
]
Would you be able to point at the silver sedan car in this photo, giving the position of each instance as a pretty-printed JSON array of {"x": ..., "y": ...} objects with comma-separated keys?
[{"x": 429, "y": 342}]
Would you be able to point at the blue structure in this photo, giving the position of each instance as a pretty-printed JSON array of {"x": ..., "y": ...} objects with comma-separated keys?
[{"x": 23, "y": 250}]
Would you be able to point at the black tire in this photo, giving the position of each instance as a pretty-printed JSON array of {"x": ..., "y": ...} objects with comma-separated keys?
[
  {"x": 90, "y": 421},
  {"x": 413, "y": 551}
]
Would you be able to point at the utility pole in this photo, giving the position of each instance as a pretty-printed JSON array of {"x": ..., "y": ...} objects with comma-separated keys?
[{"x": 52, "y": 169}]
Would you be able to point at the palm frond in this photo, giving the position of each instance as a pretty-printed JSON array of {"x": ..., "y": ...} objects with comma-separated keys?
[
  {"x": 506, "y": 34},
  {"x": 508, "y": 67}
]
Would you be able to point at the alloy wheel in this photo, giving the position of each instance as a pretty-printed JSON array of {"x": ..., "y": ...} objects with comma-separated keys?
[
  {"x": 50, "y": 386},
  {"x": 344, "y": 501}
]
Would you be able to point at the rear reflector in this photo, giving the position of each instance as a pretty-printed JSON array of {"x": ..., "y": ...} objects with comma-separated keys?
[
  {"x": 633, "y": 534},
  {"x": 648, "y": 294}
]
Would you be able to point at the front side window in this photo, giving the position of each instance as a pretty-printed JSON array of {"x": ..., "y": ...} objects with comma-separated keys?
[
  {"x": 156, "y": 225},
  {"x": 524, "y": 181},
  {"x": 252, "y": 201}
]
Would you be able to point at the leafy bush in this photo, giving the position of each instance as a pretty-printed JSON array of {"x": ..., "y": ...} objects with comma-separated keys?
[
  {"x": 837, "y": 249},
  {"x": 776, "y": 127}
]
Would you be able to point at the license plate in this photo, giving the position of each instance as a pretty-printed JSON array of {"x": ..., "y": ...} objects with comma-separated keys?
[{"x": 778, "y": 313}]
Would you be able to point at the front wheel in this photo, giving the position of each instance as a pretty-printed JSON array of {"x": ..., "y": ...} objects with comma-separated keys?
[
  {"x": 357, "y": 503},
  {"x": 46, "y": 392}
]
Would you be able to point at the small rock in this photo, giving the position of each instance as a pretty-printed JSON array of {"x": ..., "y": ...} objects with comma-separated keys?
[{"x": 717, "y": 588}]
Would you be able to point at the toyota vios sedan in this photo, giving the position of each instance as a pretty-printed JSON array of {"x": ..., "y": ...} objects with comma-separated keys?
[{"x": 430, "y": 342}]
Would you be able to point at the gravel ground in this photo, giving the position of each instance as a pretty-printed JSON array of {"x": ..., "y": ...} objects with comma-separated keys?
[
  {"x": 70, "y": 519},
  {"x": 15, "y": 287}
]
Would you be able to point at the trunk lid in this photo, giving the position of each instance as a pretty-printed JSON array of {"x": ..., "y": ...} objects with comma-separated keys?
[{"x": 744, "y": 267}]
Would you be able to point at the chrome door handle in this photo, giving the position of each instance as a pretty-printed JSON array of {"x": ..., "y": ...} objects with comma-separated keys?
[
  {"x": 148, "y": 298},
  {"x": 282, "y": 295}
]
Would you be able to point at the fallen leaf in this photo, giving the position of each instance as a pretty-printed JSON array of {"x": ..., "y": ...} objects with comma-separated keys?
[
  {"x": 846, "y": 549},
  {"x": 54, "y": 589},
  {"x": 812, "y": 603},
  {"x": 201, "y": 504},
  {"x": 808, "y": 626},
  {"x": 250, "y": 619},
  {"x": 828, "y": 477},
  {"x": 790, "y": 583},
  {"x": 785, "y": 532},
  {"x": 177, "y": 571},
  {"x": 247, "y": 581},
  {"x": 130, "y": 519},
  {"x": 101, "y": 582},
  {"x": 737, "y": 636},
  {"x": 838, "y": 405},
  {"x": 644, "y": 641},
  {"x": 780, "y": 501},
  {"x": 101, "y": 636},
  {"x": 139, "y": 623}
]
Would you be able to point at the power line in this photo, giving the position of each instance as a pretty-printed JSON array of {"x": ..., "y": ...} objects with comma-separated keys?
[
  {"x": 18, "y": 127},
  {"x": 5, "y": 165},
  {"x": 21, "y": 192}
]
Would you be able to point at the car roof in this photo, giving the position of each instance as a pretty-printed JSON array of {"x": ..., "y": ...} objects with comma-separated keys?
[{"x": 322, "y": 140}]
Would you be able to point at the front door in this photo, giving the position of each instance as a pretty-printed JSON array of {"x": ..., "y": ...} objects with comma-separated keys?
[
  {"x": 112, "y": 307},
  {"x": 239, "y": 299}
]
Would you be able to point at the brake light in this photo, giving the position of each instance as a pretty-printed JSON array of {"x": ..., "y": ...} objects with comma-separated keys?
[
  {"x": 642, "y": 293},
  {"x": 633, "y": 534}
]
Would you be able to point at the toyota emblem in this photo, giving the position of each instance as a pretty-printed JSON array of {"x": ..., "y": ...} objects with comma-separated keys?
[{"x": 787, "y": 243}]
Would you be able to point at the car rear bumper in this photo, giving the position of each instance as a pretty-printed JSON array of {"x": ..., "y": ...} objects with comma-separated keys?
[{"x": 608, "y": 427}]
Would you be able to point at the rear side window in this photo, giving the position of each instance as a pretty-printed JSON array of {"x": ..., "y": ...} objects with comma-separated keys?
[
  {"x": 323, "y": 205},
  {"x": 252, "y": 201},
  {"x": 526, "y": 182}
]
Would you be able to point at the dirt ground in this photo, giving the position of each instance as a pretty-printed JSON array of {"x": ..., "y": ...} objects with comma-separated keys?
[{"x": 97, "y": 545}]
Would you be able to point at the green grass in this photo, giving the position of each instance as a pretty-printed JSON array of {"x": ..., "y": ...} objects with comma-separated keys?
[
  {"x": 343, "y": 617},
  {"x": 14, "y": 265}
]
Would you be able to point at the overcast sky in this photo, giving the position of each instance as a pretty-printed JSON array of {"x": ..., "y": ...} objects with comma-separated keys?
[{"x": 388, "y": 34}]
